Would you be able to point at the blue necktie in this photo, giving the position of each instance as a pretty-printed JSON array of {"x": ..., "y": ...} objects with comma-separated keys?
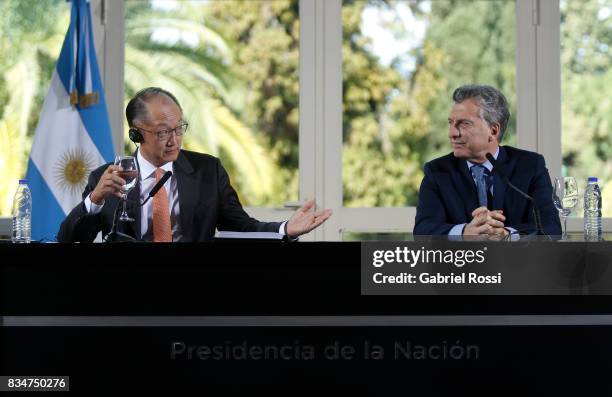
[{"x": 481, "y": 174}]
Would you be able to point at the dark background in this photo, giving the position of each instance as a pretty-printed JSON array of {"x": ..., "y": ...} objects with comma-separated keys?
[
  {"x": 228, "y": 278},
  {"x": 243, "y": 279}
]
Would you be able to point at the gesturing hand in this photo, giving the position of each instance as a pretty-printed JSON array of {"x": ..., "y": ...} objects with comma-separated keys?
[{"x": 306, "y": 219}]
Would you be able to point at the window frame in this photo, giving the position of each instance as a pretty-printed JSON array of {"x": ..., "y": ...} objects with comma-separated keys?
[{"x": 538, "y": 77}]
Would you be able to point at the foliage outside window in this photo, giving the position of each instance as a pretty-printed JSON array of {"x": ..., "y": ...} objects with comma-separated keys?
[
  {"x": 401, "y": 62},
  {"x": 233, "y": 65},
  {"x": 31, "y": 36},
  {"x": 586, "y": 81},
  {"x": 243, "y": 73}
]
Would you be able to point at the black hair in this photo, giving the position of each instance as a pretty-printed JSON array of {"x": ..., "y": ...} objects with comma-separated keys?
[{"x": 137, "y": 106}]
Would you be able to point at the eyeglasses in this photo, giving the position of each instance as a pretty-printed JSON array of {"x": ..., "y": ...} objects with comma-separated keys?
[{"x": 165, "y": 134}]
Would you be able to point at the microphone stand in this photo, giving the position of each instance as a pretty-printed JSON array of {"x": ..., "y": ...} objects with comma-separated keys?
[
  {"x": 117, "y": 237},
  {"x": 114, "y": 236},
  {"x": 536, "y": 211}
]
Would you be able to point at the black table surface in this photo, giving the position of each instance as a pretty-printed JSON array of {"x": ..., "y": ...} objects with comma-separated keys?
[{"x": 228, "y": 278}]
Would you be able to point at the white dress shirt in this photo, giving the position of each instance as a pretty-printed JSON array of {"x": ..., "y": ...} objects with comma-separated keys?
[
  {"x": 147, "y": 181},
  {"x": 457, "y": 230}
]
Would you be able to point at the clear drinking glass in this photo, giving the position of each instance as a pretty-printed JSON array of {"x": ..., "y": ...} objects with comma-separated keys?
[
  {"x": 565, "y": 197},
  {"x": 130, "y": 175}
]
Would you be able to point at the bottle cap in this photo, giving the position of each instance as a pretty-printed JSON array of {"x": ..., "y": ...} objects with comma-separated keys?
[
  {"x": 592, "y": 179},
  {"x": 23, "y": 181}
]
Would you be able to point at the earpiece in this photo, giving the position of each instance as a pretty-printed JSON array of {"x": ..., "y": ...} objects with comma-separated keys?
[{"x": 135, "y": 135}]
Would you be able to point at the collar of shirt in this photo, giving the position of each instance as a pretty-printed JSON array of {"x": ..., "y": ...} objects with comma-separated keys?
[
  {"x": 147, "y": 169},
  {"x": 487, "y": 164}
]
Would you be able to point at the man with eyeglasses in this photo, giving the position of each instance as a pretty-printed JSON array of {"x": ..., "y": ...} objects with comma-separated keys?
[{"x": 193, "y": 202}]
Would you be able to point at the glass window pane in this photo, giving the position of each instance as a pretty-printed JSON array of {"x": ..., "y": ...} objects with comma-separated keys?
[
  {"x": 401, "y": 62},
  {"x": 233, "y": 65},
  {"x": 586, "y": 83},
  {"x": 31, "y": 36}
]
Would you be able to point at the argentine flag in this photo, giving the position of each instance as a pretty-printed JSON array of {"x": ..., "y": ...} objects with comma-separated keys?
[{"x": 73, "y": 136}]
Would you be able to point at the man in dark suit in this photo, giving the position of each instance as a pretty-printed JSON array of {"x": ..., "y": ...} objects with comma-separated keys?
[
  {"x": 195, "y": 200},
  {"x": 463, "y": 194}
]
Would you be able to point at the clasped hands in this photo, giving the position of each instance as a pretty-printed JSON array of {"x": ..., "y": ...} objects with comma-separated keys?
[{"x": 486, "y": 223}]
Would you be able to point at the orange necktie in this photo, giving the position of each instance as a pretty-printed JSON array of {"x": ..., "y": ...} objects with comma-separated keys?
[{"x": 162, "y": 229}]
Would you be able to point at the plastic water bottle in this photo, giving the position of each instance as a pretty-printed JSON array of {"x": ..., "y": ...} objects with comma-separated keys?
[
  {"x": 22, "y": 213},
  {"x": 592, "y": 211}
]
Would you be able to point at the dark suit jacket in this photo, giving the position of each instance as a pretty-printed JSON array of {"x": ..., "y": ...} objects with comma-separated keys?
[
  {"x": 448, "y": 193},
  {"x": 206, "y": 200}
]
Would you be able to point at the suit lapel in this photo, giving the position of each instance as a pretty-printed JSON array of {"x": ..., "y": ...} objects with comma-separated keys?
[
  {"x": 464, "y": 184},
  {"x": 188, "y": 192},
  {"x": 136, "y": 210},
  {"x": 499, "y": 184}
]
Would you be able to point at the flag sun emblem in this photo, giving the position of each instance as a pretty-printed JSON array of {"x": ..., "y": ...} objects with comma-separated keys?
[{"x": 72, "y": 170}]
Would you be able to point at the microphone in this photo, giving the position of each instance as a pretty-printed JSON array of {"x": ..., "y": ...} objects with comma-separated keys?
[
  {"x": 535, "y": 209},
  {"x": 114, "y": 235},
  {"x": 157, "y": 186}
]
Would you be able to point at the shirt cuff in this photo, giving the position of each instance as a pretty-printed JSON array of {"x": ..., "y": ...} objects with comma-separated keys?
[
  {"x": 457, "y": 230},
  {"x": 281, "y": 231},
  {"x": 91, "y": 207}
]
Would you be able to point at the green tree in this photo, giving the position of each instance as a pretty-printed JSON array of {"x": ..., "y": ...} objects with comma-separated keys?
[
  {"x": 586, "y": 80},
  {"x": 481, "y": 51},
  {"x": 396, "y": 121},
  {"x": 264, "y": 35},
  {"x": 265, "y": 39},
  {"x": 24, "y": 77},
  {"x": 234, "y": 66},
  {"x": 194, "y": 62},
  {"x": 383, "y": 122}
]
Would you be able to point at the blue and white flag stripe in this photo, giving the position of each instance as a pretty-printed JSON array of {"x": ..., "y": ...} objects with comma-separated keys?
[{"x": 73, "y": 135}]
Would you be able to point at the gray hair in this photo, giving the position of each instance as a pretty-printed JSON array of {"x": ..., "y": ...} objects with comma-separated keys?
[{"x": 493, "y": 104}]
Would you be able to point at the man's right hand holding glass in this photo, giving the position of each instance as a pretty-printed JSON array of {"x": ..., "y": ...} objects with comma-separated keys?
[{"x": 109, "y": 183}]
